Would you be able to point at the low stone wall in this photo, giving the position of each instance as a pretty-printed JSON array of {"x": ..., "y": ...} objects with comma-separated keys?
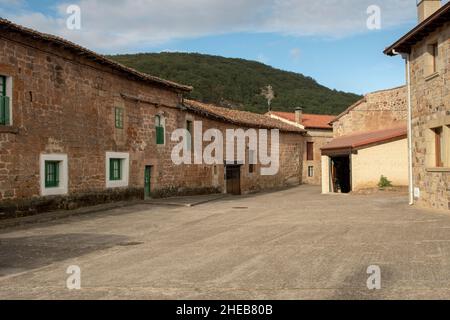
[{"x": 28, "y": 207}]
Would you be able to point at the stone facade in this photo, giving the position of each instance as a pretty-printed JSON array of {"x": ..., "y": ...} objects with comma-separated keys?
[
  {"x": 370, "y": 117},
  {"x": 430, "y": 98},
  {"x": 319, "y": 138},
  {"x": 64, "y": 104},
  {"x": 377, "y": 110},
  {"x": 318, "y": 132}
]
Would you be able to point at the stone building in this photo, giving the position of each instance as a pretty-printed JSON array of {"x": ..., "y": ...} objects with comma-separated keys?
[
  {"x": 79, "y": 129},
  {"x": 426, "y": 49},
  {"x": 375, "y": 111},
  {"x": 369, "y": 142},
  {"x": 318, "y": 133}
]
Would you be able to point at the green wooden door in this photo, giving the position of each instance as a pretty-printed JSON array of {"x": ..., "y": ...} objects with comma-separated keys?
[{"x": 147, "y": 182}]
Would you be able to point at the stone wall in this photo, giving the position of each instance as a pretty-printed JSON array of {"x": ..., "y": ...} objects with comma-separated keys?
[
  {"x": 377, "y": 110},
  {"x": 320, "y": 138},
  {"x": 431, "y": 108},
  {"x": 65, "y": 104}
]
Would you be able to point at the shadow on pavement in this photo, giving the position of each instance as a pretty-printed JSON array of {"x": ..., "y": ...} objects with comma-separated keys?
[{"x": 26, "y": 253}]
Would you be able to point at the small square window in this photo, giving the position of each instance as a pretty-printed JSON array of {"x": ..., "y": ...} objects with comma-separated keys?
[
  {"x": 51, "y": 174},
  {"x": 310, "y": 171},
  {"x": 115, "y": 167},
  {"x": 119, "y": 118}
]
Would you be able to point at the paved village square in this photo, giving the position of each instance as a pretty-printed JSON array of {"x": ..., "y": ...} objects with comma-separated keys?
[{"x": 316, "y": 247}]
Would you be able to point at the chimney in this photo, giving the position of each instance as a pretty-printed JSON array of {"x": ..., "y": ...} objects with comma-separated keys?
[
  {"x": 426, "y": 8},
  {"x": 298, "y": 115}
]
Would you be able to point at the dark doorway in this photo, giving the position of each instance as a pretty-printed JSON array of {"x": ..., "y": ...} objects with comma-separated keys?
[
  {"x": 341, "y": 174},
  {"x": 147, "y": 182},
  {"x": 233, "y": 177}
]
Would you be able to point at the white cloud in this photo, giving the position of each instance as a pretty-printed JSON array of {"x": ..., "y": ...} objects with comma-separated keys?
[{"x": 123, "y": 24}]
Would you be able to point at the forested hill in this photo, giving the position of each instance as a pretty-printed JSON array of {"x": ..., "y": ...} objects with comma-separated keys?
[{"x": 238, "y": 83}]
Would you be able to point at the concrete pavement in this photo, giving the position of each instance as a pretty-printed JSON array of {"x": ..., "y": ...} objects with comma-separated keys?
[{"x": 291, "y": 244}]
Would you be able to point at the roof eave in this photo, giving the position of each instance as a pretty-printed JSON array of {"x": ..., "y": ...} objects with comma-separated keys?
[
  {"x": 404, "y": 44},
  {"x": 91, "y": 55}
]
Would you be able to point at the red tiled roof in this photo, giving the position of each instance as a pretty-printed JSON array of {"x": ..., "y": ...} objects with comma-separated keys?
[
  {"x": 358, "y": 140},
  {"x": 8, "y": 25},
  {"x": 437, "y": 19},
  {"x": 237, "y": 117},
  {"x": 311, "y": 121}
]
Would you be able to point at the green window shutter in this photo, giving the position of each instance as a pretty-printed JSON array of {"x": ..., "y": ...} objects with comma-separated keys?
[
  {"x": 2, "y": 111},
  {"x": 51, "y": 174},
  {"x": 4, "y": 103},
  {"x": 111, "y": 169},
  {"x": 159, "y": 135},
  {"x": 115, "y": 170},
  {"x": 56, "y": 166},
  {"x": 2, "y": 86},
  {"x": 119, "y": 118}
]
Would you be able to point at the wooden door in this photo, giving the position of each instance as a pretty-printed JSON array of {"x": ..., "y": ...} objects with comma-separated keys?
[{"x": 233, "y": 175}]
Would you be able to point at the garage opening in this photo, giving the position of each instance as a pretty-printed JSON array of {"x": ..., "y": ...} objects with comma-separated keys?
[{"x": 341, "y": 174}]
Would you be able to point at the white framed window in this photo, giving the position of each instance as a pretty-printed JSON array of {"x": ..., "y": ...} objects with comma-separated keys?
[
  {"x": 311, "y": 171},
  {"x": 54, "y": 174},
  {"x": 117, "y": 169}
]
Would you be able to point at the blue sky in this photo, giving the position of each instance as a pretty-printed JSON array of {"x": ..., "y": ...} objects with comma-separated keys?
[{"x": 327, "y": 40}]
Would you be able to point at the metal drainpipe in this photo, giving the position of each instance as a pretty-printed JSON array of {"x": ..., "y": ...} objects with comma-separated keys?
[{"x": 406, "y": 56}]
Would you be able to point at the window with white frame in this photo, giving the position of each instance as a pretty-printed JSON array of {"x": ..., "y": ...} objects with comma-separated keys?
[
  {"x": 54, "y": 176},
  {"x": 5, "y": 101},
  {"x": 311, "y": 171},
  {"x": 117, "y": 169}
]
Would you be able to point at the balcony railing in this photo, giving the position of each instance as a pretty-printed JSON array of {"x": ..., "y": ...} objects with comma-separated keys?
[{"x": 4, "y": 111}]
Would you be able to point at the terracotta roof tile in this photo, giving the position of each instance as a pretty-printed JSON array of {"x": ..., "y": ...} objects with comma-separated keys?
[
  {"x": 358, "y": 140},
  {"x": 309, "y": 121},
  {"x": 237, "y": 117},
  {"x": 6, "y": 24}
]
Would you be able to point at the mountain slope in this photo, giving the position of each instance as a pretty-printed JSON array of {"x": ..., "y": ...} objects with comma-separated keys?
[{"x": 237, "y": 83}]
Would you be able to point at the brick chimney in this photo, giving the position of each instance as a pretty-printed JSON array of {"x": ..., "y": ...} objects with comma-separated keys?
[
  {"x": 426, "y": 8},
  {"x": 298, "y": 115}
]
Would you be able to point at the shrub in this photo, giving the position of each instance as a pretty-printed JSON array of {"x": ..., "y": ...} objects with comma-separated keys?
[{"x": 384, "y": 182}]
